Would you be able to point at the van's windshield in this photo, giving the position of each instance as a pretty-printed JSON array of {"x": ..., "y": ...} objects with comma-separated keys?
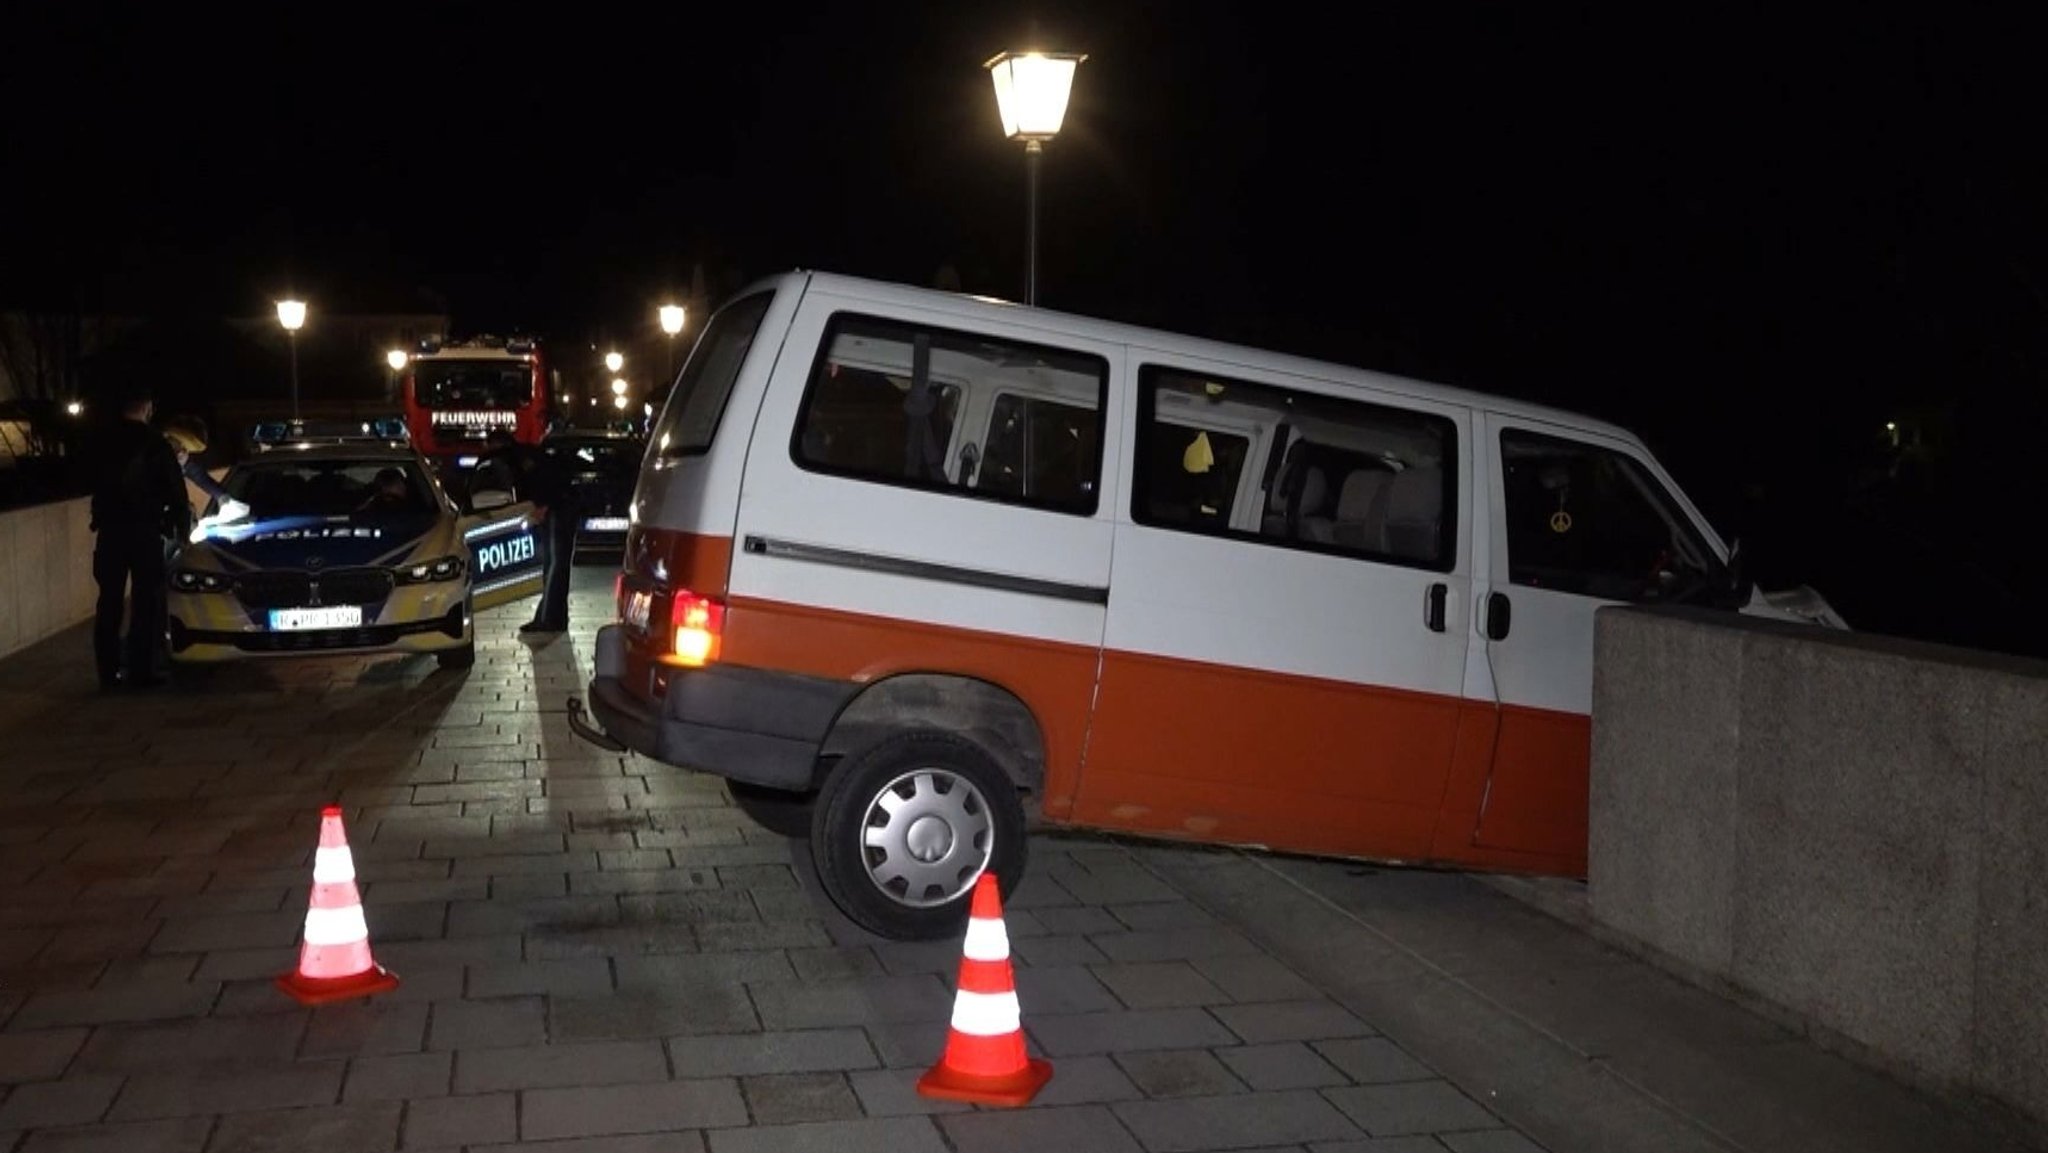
[{"x": 690, "y": 419}]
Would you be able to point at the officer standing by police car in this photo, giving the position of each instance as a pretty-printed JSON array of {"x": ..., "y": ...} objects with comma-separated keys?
[{"x": 138, "y": 498}]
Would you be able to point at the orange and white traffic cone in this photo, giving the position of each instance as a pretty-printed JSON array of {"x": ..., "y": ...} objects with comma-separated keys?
[
  {"x": 985, "y": 1062},
  {"x": 334, "y": 960}
]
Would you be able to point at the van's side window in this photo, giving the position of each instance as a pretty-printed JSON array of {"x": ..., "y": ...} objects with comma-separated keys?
[
  {"x": 1191, "y": 473},
  {"x": 1039, "y": 449},
  {"x": 1333, "y": 475},
  {"x": 973, "y": 415},
  {"x": 1588, "y": 520}
]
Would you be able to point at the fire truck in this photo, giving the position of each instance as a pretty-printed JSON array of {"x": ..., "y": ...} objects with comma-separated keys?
[{"x": 457, "y": 392}]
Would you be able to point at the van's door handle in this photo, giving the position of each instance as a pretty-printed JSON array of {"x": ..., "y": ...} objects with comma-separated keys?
[
  {"x": 1433, "y": 606},
  {"x": 1498, "y": 615}
]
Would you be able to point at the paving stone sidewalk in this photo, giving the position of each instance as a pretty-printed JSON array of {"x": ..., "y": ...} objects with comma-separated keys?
[{"x": 598, "y": 954}]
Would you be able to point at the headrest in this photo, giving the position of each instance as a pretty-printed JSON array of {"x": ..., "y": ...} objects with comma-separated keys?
[
  {"x": 1361, "y": 488},
  {"x": 1315, "y": 491},
  {"x": 1416, "y": 493}
]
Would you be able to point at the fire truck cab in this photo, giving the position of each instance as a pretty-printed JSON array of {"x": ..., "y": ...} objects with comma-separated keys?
[{"x": 457, "y": 392}]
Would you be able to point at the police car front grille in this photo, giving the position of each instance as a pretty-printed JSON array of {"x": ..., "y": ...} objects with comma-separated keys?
[
  {"x": 273, "y": 590},
  {"x": 284, "y": 590},
  {"x": 354, "y": 586}
]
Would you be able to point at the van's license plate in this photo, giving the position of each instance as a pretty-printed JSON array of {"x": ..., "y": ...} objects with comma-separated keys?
[
  {"x": 639, "y": 605},
  {"x": 301, "y": 620}
]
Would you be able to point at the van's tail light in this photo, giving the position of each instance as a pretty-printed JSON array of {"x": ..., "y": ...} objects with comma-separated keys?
[{"x": 699, "y": 623}]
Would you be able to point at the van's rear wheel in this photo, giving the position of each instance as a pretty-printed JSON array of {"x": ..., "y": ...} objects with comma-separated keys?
[{"x": 901, "y": 832}]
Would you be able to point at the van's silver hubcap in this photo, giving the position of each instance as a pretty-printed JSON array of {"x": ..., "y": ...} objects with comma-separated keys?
[{"x": 927, "y": 836}]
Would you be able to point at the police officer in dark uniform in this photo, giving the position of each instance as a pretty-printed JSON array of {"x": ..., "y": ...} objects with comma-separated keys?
[
  {"x": 138, "y": 498},
  {"x": 555, "y": 503}
]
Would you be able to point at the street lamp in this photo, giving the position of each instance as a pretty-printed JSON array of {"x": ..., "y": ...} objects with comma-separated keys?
[
  {"x": 292, "y": 314},
  {"x": 613, "y": 361},
  {"x": 1031, "y": 96},
  {"x": 618, "y": 386},
  {"x": 396, "y": 359},
  {"x": 671, "y": 323}
]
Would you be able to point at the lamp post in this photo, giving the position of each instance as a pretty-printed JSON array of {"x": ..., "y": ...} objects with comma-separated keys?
[
  {"x": 292, "y": 314},
  {"x": 671, "y": 323},
  {"x": 1031, "y": 96},
  {"x": 613, "y": 361}
]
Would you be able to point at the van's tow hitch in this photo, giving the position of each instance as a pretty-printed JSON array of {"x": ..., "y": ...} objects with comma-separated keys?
[{"x": 582, "y": 726}]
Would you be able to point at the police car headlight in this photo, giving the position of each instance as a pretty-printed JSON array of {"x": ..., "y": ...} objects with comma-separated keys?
[
  {"x": 192, "y": 581},
  {"x": 446, "y": 568}
]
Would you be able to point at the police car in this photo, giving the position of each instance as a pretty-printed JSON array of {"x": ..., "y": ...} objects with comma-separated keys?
[{"x": 342, "y": 540}]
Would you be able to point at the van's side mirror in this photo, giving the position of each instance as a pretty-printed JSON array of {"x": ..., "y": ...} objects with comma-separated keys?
[
  {"x": 486, "y": 499},
  {"x": 970, "y": 460}
]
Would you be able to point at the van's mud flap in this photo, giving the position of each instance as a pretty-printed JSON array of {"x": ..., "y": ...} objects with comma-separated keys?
[{"x": 581, "y": 724}]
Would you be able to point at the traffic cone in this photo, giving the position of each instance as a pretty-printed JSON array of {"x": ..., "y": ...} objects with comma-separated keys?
[
  {"x": 985, "y": 1062},
  {"x": 334, "y": 960}
]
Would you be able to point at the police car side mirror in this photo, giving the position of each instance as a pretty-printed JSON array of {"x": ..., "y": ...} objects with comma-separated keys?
[{"x": 486, "y": 499}]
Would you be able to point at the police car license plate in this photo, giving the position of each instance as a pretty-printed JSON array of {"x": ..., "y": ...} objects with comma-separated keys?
[
  {"x": 639, "y": 605},
  {"x": 605, "y": 524},
  {"x": 301, "y": 620}
]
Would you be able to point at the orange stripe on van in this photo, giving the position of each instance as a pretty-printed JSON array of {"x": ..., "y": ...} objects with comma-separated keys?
[
  {"x": 1250, "y": 757},
  {"x": 1518, "y": 791},
  {"x": 1055, "y": 681},
  {"x": 1322, "y": 766}
]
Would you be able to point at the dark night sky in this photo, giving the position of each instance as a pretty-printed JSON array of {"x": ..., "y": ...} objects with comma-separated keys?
[{"x": 1665, "y": 214}]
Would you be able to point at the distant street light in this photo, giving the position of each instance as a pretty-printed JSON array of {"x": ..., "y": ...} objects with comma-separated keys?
[
  {"x": 74, "y": 408},
  {"x": 613, "y": 361},
  {"x": 292, "y": 314},
  {"x": 618, "y": 386},
  {"x": 671, "y": 323},
  {"x": 396, "y": 359},
  {"x": 620, "y": 402},
  {"x": 1031, "y": 96}
]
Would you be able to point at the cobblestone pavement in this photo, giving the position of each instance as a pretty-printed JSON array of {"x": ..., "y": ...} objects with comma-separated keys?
[{"x": 598, "y": 954}]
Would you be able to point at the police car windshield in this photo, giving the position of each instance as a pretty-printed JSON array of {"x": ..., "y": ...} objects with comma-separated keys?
[
  {"x": 473, "y": 384},
  {"x": 330, "y": 488}
]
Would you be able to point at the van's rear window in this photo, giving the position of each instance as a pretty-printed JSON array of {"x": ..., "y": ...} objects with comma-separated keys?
[{"x": 690, "y": 419}]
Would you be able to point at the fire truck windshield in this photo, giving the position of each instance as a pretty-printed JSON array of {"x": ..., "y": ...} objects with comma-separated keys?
[{"x": 473, "y": 384}]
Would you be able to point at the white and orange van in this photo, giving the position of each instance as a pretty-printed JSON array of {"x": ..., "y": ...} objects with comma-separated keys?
[{"x": 915, "y": 571}]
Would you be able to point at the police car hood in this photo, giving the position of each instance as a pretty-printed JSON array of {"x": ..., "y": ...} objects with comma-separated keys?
[{"x": 295, "y": 542}]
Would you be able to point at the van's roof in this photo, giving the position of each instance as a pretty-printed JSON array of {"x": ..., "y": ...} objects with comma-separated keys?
[{"x": 970, "y": 307}]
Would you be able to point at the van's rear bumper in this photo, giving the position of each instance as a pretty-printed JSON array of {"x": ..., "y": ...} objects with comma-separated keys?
[{"x": 750, "y": 725}]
